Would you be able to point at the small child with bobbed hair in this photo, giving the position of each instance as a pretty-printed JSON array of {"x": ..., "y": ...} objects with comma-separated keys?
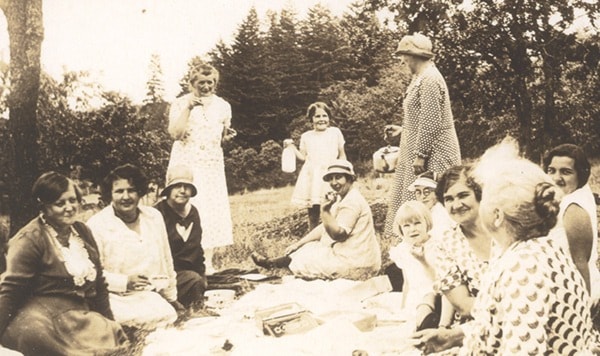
[{"x": 415, "y": 255}]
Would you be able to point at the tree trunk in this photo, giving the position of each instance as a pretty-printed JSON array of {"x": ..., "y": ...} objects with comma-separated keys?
[
  {"x": 521, "y": 67},
  {"x": 26, "y": 32}
]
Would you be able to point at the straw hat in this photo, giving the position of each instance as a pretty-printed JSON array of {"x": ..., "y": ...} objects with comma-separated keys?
[
  {"x": 339, "y": 166},
  {"x": 177, "y": 175},
  {"x": 416, "y": 45}
]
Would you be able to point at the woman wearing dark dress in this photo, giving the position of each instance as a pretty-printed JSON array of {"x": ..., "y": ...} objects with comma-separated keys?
[{"x": 53, "y": 295}]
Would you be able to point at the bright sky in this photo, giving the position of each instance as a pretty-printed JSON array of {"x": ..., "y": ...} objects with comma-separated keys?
[{"x": 114, "y": 39}]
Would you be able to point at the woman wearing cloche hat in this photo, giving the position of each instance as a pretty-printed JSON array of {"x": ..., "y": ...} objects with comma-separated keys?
[
  {"x": 182, "y": 221},
  {"x": 344, "y": 245},
  {"x": 428, "y": 141}
]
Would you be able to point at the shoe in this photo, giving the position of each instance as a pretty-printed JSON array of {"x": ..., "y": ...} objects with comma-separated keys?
[
  {"x": 261, "y": 260},
  {"x": 431, "y": 321}
]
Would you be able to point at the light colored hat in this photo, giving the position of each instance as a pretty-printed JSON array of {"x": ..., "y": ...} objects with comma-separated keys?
[
  {"x": 427, "y": 179},
  {"x": 416, "y": 45},
  {"x": 339, "y": 166},
  {"x": 177, "y": 175}
]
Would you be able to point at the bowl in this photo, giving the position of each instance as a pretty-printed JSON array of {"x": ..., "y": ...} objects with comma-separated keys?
[{"x": 219, "y": 298}]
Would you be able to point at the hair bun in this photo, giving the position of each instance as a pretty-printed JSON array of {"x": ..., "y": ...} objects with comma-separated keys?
[{"x": 546, "y": 205}]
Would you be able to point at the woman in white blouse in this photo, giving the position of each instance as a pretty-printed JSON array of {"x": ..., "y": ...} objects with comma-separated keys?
[{"x": 134, "y": 249}]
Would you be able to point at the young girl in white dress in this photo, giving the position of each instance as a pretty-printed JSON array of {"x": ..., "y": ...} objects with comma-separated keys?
[
  {"x": 318, "y": 148},
  {"x": 415, "y": 255}
]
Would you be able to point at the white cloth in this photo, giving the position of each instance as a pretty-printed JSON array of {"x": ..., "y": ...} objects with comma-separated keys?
[
  {"x": 321, "y": 148},
  {"x": 585, "y": 199},
  {"x": 327, "y": 258},
  {"x": 324, "y": 299},
  {"x": 201, "y": 151},
  {"x": 418, "y": 280},
  {"x": 124, "y": 252}
]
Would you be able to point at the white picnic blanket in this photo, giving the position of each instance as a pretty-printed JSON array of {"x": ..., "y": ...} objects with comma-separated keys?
[{"x": 237, "y": 329}]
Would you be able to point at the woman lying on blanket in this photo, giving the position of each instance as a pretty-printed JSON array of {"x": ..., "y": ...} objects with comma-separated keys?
[{"x": 344, "y": 243}]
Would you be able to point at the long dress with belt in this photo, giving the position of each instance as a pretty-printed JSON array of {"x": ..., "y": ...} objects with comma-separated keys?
[
  {"x": 47, "y": 310},
  {"x": 427, "y": 131},
  {"x": 201, "y": 151}
]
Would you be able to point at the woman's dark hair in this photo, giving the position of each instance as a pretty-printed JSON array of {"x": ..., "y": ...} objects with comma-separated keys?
[
  {"x": 129, "y": 172},
  {"x": 453, "y": 175},
  {"x": 312, "y": 108},
  {"x": 50, "y": 186},
  {"x": 582, "y": 164}
]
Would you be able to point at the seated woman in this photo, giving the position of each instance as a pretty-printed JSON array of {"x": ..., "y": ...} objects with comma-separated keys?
[
  {"x": 53, "y": 296},
  {"x": 533, "y": 301},
  {"x": 185, "y": 235},
  {"x": 134, "y": 249},
  {"x": 462, "y": 253},
  {"x": 344, "y": 245},
  {"x": 569, "y": 168}
]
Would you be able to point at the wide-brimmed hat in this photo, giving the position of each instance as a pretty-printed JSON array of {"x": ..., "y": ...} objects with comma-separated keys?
[
  {"x": 339, "y": 166},
  {"x": 416, "y": 45},
  {"x": 177, "y": 175},
  {"x": 427, "y": 179}
]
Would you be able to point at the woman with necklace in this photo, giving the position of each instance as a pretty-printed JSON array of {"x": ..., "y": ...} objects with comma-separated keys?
[
  {"x": 428, "y": 141},
  {"x": 134, "y": 249},
  {"x": 53, "y": 296}
]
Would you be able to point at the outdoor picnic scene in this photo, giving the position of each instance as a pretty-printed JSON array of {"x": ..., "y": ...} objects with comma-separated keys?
[{"x": 300, "y": 177}]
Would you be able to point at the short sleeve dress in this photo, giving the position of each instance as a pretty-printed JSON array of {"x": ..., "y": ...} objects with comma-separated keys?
[
  {"x": 322, "y": 148},
  {"x": 201, "y": 151},
  {"x": 327, "y": 258},
  {"x": 457, "y": 264},
  {"x": 427, "y": 131}
]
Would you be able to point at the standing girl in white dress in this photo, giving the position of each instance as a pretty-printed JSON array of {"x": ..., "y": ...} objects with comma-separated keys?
[
  {"x": 319, "y": 147},
  {"x": 199, "y": 122}
]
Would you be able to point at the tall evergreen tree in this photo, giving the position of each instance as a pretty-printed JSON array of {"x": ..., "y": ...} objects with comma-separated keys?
[
  {"x": 291, "y": 94},
  {"x": 326, "y": 53},
  {"x": 155, "y": 88},
  {"x": 246, "y": 83},
  {"x": 371, "y": 44}
]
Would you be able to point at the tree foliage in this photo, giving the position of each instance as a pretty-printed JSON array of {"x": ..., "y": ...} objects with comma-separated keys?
[{"x": 506, "y": 63}]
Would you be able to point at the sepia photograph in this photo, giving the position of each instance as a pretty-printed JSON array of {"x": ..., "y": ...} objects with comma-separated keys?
[{"x": 299, "y": 177}]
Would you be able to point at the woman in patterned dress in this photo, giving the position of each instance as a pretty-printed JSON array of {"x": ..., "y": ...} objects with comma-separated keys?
[
  {"x": 428, "y": 140},
  {"x": 199, "y": 122},
  {"x": 463, "y": 252},
  {"x": 533, "y": 301}
]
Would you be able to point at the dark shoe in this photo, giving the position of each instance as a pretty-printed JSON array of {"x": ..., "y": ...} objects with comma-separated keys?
[
  {"x": 431, "y": 321},
  {"x": 396, "y": 277},
  {"x": 261, "y": 260}
]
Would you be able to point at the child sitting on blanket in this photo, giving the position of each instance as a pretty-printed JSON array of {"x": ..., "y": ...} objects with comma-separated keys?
[{"x": 415, "y": 255}]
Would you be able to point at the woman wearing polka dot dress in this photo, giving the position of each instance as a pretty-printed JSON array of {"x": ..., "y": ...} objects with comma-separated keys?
[{"x": 428, "y": 141}]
